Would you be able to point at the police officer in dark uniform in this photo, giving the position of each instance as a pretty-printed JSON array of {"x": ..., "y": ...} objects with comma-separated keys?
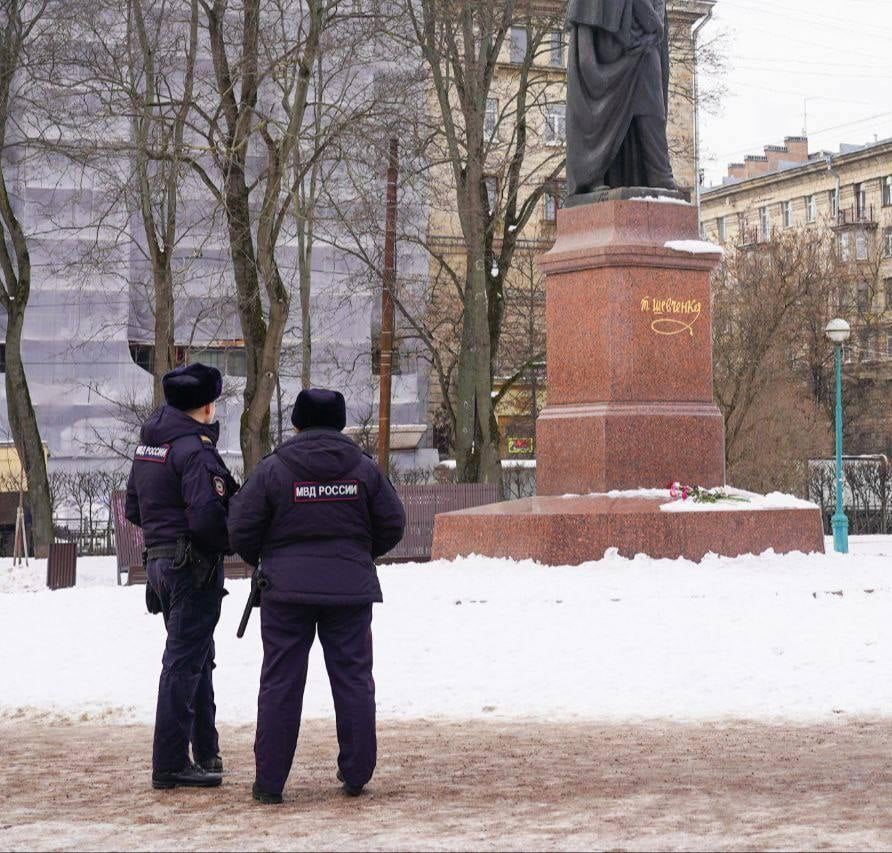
[
  {"x": 178, "y": 493},
  {"x": 315, "y": 514}
]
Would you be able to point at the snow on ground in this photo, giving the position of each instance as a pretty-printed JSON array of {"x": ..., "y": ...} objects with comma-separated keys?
[{"x": 767, "y": 637}]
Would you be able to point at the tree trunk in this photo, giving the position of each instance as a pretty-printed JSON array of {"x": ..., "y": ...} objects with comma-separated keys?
[
  {"x": 477, "y": 456},
  {"x": 165, "y": 353},
  {"x": 255, "y": 421},
  {"x": 305, "y": 257},
  {"x": 306, "y": 340},
  {"x": 26, "y": 434}
]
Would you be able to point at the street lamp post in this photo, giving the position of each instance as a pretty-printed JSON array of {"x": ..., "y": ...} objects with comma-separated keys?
[{"x": 839, "y": 332}]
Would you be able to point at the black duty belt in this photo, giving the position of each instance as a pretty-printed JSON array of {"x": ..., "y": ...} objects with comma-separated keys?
[{"x": 161, "y": 552}]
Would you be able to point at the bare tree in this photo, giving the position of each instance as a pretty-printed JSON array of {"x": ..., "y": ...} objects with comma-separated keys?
[
  {"x": 496, "y": 189},
  {"x": 260, "y": 121},
  {"x": 22, "y": 29},
  {"x": 771, "y": 302},
  {"x": 160, "y": 110}
]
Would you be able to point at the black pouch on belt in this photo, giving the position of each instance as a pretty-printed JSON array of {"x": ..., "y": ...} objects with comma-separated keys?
[
  {"x": 153, "y": 602},
  {"x": 203, "y": 566}
]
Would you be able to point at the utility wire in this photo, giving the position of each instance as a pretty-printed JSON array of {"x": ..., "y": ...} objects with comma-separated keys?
[{"x": 753, "y": 145}]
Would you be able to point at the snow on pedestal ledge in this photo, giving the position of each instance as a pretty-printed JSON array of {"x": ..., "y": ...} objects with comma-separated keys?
[
  {"x": 695, "y": 247},
  {"x": 661, "y": 199},
  {"x": 741, "y": 500}
]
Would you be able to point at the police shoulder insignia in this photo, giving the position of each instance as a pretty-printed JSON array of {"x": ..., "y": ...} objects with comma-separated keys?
[
  {"x": 147, "y": 453},
  {"x": 339, "y": 490},
  {"x": 219, "y": 486}
]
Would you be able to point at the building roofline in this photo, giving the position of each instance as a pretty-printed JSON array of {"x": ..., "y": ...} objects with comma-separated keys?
[{"x": 789, "y": 174}]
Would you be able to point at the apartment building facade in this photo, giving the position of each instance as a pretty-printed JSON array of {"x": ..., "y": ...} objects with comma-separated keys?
[{"x": 847, "y": 195}]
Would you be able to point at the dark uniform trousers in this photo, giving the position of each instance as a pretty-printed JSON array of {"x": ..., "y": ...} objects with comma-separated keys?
[
  {"x": 288, "y": 631},
  {"x": 186, "y": 711}
]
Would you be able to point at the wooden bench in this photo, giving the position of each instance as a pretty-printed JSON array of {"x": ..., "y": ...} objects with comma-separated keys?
[
  {"x": 61, "y": 565},
  {"x": 129, "y": 548}
]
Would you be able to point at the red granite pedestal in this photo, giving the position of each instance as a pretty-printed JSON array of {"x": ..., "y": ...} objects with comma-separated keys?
[{"x": 630, "y": 406}]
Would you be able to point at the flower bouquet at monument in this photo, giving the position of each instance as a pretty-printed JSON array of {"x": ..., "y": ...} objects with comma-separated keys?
[{"x": 699, "y": 495}]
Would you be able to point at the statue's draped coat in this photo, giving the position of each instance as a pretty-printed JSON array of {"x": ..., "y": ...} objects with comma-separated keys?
[{"x": 618, "y": 69}]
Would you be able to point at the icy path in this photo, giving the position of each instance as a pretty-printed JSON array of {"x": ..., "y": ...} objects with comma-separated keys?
[{"x": 758, "y": 638}]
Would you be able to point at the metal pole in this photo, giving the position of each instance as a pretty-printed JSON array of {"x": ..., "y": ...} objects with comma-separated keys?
[
  {"x": 840, "y": 520},
  {"x": 387, "y": 312}
]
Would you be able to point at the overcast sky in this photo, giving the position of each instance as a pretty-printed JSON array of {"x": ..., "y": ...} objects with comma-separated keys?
[{"x": 837, "y": 54}]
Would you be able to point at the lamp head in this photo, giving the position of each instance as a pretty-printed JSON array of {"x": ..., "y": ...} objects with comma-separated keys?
[{"x": 839, "y": 331}]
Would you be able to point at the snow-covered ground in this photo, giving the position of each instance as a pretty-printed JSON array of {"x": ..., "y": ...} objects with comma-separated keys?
[{"x": 768, "y": 637}]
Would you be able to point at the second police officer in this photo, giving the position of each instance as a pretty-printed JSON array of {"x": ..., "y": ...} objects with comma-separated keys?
[
  {"x": 315, "y": 514},
  {"x": 178, "y": 493}
]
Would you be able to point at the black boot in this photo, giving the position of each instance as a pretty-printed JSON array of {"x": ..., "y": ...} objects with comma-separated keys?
[
  {"x": 265, "y": 797},
  {"x": 212, "y": 765},
  {"x": 191, "y": 776},
  {"x": 350, "y": 790}
]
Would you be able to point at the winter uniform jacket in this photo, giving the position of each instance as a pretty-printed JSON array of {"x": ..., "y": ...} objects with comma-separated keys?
[
  {"x": 315, "y": 513},
  {"x": 179, "y": 485}
]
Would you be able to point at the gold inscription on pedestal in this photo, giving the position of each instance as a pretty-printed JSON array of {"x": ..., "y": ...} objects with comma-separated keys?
[{"x": 672, "y": 316}]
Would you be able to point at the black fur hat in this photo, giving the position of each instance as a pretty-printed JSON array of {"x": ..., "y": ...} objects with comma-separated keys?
[
  {"x": 319, "y": 407},
  {"x": 192, "y": 386}
]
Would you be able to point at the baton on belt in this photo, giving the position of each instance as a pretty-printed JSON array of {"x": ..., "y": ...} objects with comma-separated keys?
[{"x": 258, "y": 584}]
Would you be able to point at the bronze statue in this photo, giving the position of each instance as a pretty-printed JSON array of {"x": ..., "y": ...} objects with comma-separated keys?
[{"x": 617, "y": 93}]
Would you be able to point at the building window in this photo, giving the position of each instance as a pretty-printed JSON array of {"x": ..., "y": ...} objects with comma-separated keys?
[
  {"x": 764, "y": 223},
  {"x": 556, "y": 49},
  {"x": 554, "y": 197},
  {"x": 844, "y": 242},
  {"x": 887, "y": 242},
  {"x": 888, "y": 289},
  {"x": 143, "y": 356},
  {"x": 519, "y": 41},
  {"x": 864, "y": 345},
  {"x": 889, "y": 344},
  {"x": 721, "y": 228},
  {"x": 787, "y": 213},
  {"x": 556, "y": 124},
  {"x": 887, "y": 191},
  {"x": 492, "y": 191},
  {"x": 863, "y": 297},
  {"x": 491, "y": 117},
  {"x": 3, "y": 357},
  {"x": 811, "y": 209},
  {"x": 834, "y": 204},
  {"x": 230, "y": 361},
  {"x": 861, "y": 246},
  {"x": 860, "y": 200}
]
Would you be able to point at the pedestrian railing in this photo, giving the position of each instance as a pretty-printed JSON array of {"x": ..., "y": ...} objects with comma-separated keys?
[{"x": 423, "y": 503}]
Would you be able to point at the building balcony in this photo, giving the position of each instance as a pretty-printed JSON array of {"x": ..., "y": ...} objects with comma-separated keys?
[{"x": 856, "y": 215}]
